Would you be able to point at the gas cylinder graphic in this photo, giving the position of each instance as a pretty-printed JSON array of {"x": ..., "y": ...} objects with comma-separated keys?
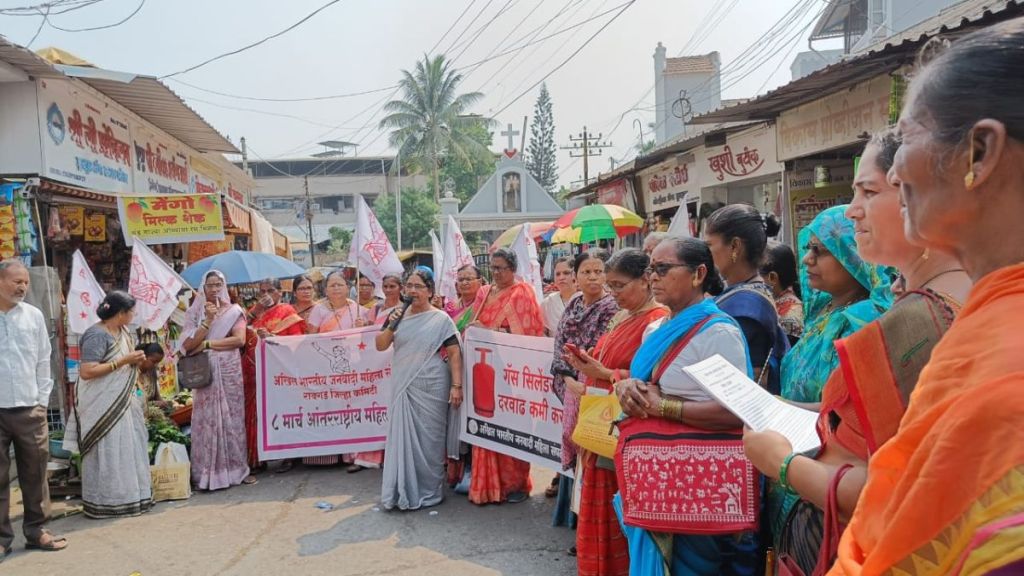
[{"x": 483, "y": 385}]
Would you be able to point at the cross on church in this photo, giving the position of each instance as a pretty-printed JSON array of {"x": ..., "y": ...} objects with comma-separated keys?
[{"x": 511, "y": 133}]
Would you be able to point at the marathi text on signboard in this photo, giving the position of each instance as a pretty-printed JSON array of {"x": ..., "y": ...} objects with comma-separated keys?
[
  {"x": 665, "y": 185},
  {"x": 161, "y": 163},
  {"x": 322, "y": 394},
  {"x": 86, "y": 142},
  {"x": 171, "y": 219},
  {"x": 510, "y": 406}
]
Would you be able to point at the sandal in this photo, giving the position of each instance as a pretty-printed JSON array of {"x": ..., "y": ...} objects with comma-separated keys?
[
  {"x": 250, "y": 480},
  {"x": 51, "y": 545},
  {"x": 354, "y": 468},
  {"x": 286, "y": 466}
]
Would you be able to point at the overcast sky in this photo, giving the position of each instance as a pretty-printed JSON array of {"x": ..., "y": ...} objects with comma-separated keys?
[{"x": 361, "y": 45}]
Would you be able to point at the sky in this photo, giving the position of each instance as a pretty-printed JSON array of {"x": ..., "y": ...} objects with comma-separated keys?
[{"x": 362, "y": 45}]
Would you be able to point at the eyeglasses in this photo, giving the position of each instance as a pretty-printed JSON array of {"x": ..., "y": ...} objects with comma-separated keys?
[
  {"x": 619, "y": 286},
  {"x": 816, "y": 250},
  {"x": 415, "y": 286},
  {"x": 663, "y": 269},
  {"x": 467, "y": 280}
]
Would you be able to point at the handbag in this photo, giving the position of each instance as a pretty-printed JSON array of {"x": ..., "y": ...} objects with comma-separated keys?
[
  {"x": 194, "y": 371},
  {"x": 683, "y": 480},
  {"x": 833, "y": 531},
  {"x": 594, "y": 428}
]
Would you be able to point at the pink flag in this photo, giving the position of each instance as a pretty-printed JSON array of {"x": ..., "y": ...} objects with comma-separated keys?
[
  {"x": 155, "y": 286},
  {"x": 84, "y": 295},
  {"x": 371, "y": 251},
  {"x": 456, "y": 255}
]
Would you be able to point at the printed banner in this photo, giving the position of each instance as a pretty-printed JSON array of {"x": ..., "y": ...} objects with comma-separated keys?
[
  {"x": 322, "y": 394},
  {"x": 510, "y": 405},
  {"x": 171, "y": 219},
  {"x": 161, "y": 163},
  {"x": 86, "y": 142},
  {"x": 95, "y": 228},
  {"x": 73, "y": 218}
]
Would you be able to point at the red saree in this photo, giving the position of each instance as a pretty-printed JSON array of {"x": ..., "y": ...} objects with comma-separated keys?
[
  {"x": 602, "y": 549},
  {"x": 494, "y": 476},
  {"x": 279, "y": 320}
]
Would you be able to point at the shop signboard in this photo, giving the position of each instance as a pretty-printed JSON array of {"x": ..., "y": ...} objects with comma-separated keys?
[
  {"x": 199, "y": 250},
  {"x": 618, "y": 192},
  {"x": 665, "y": 184},
  {"x": 836, "y": 120},
  {"x": 161, "y": 163},
  {"x": 171, "y": 219},
  {"x": 203, "y": 176},
  {"x": 747, "y": 154},
  {"x": 86, "y": 140},
  {"x": 808, "y": 197}
]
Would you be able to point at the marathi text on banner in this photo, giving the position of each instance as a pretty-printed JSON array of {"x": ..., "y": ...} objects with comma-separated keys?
[
  {"x": 172, "y": 219},
  {"x": 510, "y": 406},
  {"x": 322, "y": 394}
]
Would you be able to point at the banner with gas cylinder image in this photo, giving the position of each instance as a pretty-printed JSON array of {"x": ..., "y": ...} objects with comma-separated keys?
[
  {"x": 510, "y": 406},
  {"x": 321, "y": 394},
  {"x": 171, "y": 219}
]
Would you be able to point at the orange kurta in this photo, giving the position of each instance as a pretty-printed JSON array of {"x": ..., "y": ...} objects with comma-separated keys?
[
  {"x": 946, "y": 494},
  {"x": 494, "y": 476}
]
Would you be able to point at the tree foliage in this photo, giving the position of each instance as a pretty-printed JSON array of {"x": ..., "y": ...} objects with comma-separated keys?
[
  {"x": 431, "y": 122},
  {"x": 469, "y": 175},
  {"x": 540, "y": 157},
  {"x": 419, "y": 215}
]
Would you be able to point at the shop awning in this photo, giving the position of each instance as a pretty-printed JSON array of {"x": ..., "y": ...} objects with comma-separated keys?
[
  {"x": 236, "y": 218},
  {"x": 50, "y": 190}
]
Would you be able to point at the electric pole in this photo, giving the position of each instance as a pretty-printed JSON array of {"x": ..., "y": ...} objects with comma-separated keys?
[
  {"x": 309, "y": 222},
  {"x": 585, "y": 145}
]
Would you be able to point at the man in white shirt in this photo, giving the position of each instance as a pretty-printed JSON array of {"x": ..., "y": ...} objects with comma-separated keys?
[{"x": 25, "y": 385}]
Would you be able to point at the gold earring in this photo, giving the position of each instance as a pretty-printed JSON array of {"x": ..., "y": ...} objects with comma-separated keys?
[
  {"x": 734, "y": 257},
  {"x": 969, "y": 178},
  {"x": 926, "y": 254},
  {"x": 696, "y": 283}
]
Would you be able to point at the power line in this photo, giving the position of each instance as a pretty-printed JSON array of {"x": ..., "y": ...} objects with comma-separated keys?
[
  {"x": 505, "y": 39},
  {"x": 40, "y": 29},
  {"x": 502, "y": 10},
  {"x": 104, "y": 27},
  {"x": 452, "y": 27},
  {"x": 254, "y": 44},
  {"x": 306, "y": 99},
  {"x": 466, "y": 29}
]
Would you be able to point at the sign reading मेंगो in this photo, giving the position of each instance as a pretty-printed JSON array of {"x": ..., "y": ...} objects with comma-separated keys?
[
  {"x": 322, "y": 394},
  {"x": 509, "y": 405},
  {"x": 171, "y": 219}
]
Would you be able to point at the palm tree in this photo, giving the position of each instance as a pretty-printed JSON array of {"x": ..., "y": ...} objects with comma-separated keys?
[{"x": 431, "y": 122}]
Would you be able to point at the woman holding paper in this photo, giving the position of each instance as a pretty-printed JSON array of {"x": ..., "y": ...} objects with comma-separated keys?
[
  {"x": 423, "y": 385},
  {"x": 601, "y": 548},
  {"x": 681, "y": 273},
  {"x": 864, "y": 400}
]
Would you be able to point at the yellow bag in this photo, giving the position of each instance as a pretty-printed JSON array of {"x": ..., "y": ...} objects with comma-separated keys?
[{"x": 594, "y": 428}]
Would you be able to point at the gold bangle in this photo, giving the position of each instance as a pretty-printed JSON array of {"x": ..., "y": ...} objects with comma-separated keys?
[{"x": 456, "y": 386}]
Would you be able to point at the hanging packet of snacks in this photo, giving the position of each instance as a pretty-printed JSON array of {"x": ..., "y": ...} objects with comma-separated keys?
[{"x": 27, "y": 239}]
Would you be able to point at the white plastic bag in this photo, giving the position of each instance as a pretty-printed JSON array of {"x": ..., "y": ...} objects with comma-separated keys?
[{"x": 171, "y": 472}]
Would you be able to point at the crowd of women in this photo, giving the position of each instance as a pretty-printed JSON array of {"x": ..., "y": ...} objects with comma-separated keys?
[{"x": 921, "y": 465}]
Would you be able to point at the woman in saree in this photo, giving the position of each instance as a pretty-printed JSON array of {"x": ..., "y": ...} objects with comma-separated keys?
[
  {"x": 681, "y": 272},
  {"x": 508, "y": 306},
  {"x": 107, "y": 425},
  {"x": 843, "y": 294},
  {"x": 216, "y": 327},
  {"x": 584, "y": 320},
  {"x": 421, "y": 430},
  {"x": 600, "y": 544},
  {"x": 392, "y": 287},
  {"x": 553, "y": 305},
  {"x": 945, "y": 494},
  {"x": 738, "y": 235},
  {"x": 339, "y": 312},
  {"x": 780, "y": 273},
  {"x": 304, "y": 299},
  {"x": 267, "y": 317},
  {"x": 865, "y": 397},
  {"x": 469, "y": 283}
]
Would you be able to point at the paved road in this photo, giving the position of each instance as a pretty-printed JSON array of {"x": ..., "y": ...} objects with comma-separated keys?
[{"x": 274, "y": 528}]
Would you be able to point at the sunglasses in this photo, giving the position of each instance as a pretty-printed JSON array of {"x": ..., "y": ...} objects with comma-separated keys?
[
  {"x": 663, "y": 269},
  {"x": 816, "y": 250}
]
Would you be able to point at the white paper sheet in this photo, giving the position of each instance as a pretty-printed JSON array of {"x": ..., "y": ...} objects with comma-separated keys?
[{"x": 754, "y": 405}]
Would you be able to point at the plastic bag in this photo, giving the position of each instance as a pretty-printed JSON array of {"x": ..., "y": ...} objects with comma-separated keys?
[
  {"x": 171, "y": 473},
  {"x": 594, "y": 431}
]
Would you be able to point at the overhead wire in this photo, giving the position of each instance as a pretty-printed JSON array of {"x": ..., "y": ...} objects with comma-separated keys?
[{"x": 94, "y": 28}]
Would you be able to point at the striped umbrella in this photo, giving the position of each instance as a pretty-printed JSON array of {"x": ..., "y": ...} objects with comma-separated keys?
[
  {"x": 505, "y": 239},
  {"x": 594, "y": 222}
]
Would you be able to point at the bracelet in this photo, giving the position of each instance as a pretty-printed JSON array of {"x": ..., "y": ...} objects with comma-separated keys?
[
  {"x": 784, "y": 474},
  {"x": 206, "y": 344},
  {"x": 456, "y": 386},
  {"x": 113, "y": 367},
  {"x": 205, "y": 326}
]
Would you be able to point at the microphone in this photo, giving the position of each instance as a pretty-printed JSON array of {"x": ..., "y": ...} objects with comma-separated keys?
[{"x": 406, "y": 302}]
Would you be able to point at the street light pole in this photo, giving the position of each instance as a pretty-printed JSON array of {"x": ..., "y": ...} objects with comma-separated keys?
[
  {"x": 309, "y": 222},
  {"x": 398, "y": 201}
]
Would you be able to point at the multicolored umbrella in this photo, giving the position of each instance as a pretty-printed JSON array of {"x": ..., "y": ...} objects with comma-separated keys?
[
  {"x": 506, "y": 238},
  {"x": 594, "y": 222}
]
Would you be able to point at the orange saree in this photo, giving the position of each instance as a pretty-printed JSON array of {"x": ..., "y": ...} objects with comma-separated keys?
[
  {"x": 494, "y": 476},
  {"x": 945, "y": 495},
  {"x": 601, "y": 547},
  {"x": 279, "y": 320}
]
